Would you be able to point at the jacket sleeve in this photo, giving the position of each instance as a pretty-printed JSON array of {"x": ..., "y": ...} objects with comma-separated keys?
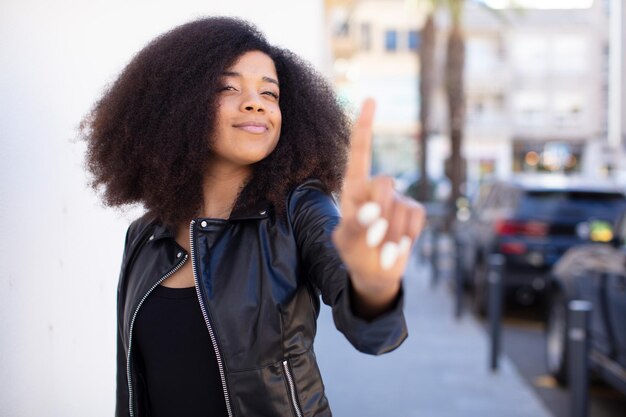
[
  {"x": 137, "y": 233},
  {"x": 314, "y": 215},
  {"x": 121, "y": 390}
]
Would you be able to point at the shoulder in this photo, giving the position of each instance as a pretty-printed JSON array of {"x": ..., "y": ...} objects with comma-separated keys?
[
  {"x": 139, "y": 228},
  {"x": 311, "y": 195},
  {"x": 310, "y": 205},
  {"x": 138, "y": 231}
]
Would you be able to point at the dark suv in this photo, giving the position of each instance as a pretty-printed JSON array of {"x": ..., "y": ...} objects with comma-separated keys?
[
  {"x": 597, "y": 273},
  {"x": 532, "y": 222}
]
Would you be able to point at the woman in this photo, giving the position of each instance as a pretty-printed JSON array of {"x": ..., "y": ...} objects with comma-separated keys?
[{"x": 234, "y": 148}]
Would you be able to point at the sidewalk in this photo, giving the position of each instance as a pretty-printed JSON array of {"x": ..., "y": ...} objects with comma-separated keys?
[{"x": 440, "y": 370}]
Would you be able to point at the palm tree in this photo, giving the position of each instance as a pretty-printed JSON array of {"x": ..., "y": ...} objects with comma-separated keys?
[
  {"x": 454, "y": 88},
  {"x": 455, "y": 91},
  {"x": 455, "y": 61},
  {"x": 426, "y": 87}
]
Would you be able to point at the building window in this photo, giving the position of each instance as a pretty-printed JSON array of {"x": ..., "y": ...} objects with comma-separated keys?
[
  {"x": 485, "y": 110},
  {"x": 482, "y": 55},
  {"x": 568, "y": 109},
  {"x": 535, "y": 156},
  {"x": 339, "y": 22},
  {"x": 414, "y": 40},
  {"x": 570, "y": 54},
  {"x": 342, "y": 29},
  {"x": 531, "y": 54},
  {"x": 391, "y": 40},
  {"x": 366, "y": 36},
  {"x": 530, "y": 108}
]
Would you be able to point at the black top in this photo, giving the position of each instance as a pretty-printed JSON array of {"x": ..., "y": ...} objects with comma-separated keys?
[{"x": 178, "y": 359}]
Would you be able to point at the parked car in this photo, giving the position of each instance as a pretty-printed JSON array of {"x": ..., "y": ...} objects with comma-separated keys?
[
  {"x": 531, "y": 222},
  {"x": 596, "y": 273}
]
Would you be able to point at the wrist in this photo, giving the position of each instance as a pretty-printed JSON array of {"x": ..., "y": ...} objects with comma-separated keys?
[{"x": 370, "y": 301}]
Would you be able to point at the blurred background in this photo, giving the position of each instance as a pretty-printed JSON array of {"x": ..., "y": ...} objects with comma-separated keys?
[
  {"x": 507, "y": 120},
  {"x": 472, "y": 95},
  {"x": 529, "y": 85}
]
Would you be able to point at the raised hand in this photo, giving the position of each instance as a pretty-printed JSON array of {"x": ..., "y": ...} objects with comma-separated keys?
[{"x": 378, "y": 225}]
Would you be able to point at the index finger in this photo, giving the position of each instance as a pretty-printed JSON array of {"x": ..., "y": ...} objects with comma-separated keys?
[{"x": 360, "y": 158}]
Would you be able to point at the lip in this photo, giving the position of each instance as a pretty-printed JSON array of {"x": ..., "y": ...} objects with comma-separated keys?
[{"x": 252, "y": 127}]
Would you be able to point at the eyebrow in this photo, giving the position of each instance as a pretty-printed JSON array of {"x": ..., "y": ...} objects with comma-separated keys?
[{"x": 236, "y": 74}]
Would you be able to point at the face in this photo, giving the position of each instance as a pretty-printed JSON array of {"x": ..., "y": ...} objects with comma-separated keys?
[{"x": 248, "y": 115}]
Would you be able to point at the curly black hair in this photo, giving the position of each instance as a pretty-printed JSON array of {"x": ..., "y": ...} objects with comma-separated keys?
[{"x": 149, "y": 137}]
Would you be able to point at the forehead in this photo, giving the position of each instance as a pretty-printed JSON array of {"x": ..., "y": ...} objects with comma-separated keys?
[{"x": 254, "y": 64}]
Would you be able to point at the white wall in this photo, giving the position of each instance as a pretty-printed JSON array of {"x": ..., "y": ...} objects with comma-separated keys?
[{"x": 61, "y": 249}]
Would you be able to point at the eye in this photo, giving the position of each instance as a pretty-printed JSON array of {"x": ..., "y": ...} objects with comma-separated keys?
[
  {"x": 272, "y": 94},
  {"x": 228, "y": 88}
]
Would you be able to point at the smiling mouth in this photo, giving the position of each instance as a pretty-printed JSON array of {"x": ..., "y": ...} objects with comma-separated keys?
[{"x": 252, "y": 127}]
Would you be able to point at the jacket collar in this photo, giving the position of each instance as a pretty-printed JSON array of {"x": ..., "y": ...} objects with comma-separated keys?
[
  {"x": 259, "y": 210},
  {"x": 161, "y": 231}
]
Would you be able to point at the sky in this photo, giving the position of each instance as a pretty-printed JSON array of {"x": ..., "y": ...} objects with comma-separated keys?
[{"x": 540, "y": 4}]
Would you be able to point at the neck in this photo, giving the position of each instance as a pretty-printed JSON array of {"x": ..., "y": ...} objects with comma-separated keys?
[{"x": 220, "y": 189}]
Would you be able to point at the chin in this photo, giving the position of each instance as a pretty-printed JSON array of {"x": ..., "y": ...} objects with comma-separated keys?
[
  {"x": 259, "y": 156},
  {"x": 253, "y": 159}
]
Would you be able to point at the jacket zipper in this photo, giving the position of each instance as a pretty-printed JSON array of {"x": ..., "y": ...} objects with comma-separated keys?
[
  {"x": 292, "y": 389},
  {"x": 132, "y": 324},
  {"x": 218, "y": 356}
]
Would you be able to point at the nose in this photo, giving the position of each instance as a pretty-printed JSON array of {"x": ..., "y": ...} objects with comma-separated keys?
[{"x": 252, "y": 103}]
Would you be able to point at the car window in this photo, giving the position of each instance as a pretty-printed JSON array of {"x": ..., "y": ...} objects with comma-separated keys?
[
  {"x": 502, "y": 198},
  {"x": 494, "y": 198},
  {"x": 571, "y": 205},
  {"x": 498, "y": 199},
  {"x": 515, "y": 198},
  {"x": 509, "y": 199}
]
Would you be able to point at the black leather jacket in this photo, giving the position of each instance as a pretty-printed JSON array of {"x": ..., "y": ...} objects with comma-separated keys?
[{"x": 258, "y": 278}]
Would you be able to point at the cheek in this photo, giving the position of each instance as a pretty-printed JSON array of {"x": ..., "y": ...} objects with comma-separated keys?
[
  {"x": 276, "y": 119},
  {"x": 277, "y": 116},
  {"x": 279, "y": 127}
]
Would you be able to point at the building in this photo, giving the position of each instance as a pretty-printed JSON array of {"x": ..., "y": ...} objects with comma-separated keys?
[
  {"x": 536, "y": 85},
  {"x": 537, "y": 89},
  {"x": 374, "y": 53}
]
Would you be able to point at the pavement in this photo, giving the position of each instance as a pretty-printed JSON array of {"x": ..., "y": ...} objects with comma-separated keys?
[{"x": 441, "y": 370}]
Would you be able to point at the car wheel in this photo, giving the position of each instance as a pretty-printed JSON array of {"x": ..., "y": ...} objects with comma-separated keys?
[
  {"x": 479, "y": 292},
  {"x": 556, "y": 337}
]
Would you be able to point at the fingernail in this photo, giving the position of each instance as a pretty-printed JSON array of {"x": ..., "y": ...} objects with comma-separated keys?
[
  {"x": 368, "y": 213},
  {"x": 405, "y": 244},
  {"x": 389, "y": 255},
  {"x": 376, "y": 232}
]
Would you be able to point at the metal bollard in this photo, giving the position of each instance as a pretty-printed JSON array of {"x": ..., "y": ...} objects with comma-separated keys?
[
  {"x": 434, "y": 256},
  {"x": 578, "y": 349},
  {"x": 458, "y": 309},
  {"x": 494, "y": 307}
]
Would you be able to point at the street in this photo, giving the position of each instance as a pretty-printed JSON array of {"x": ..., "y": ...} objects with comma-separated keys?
[
  {"x": 441, "y": 370},
  {"x": 523, "y": 343}
]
